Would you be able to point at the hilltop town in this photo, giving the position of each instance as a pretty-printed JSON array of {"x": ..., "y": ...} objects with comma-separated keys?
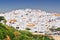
[{"x": 36, "y": 21}]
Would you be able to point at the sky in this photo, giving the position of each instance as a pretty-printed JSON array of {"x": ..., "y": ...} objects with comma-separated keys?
[{"x": 46, "y": 5}]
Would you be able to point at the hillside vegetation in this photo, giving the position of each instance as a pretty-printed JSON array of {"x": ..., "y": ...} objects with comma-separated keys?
[{"x": 9, "y": 33}]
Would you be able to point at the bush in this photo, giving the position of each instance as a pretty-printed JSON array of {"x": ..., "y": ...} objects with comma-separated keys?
[
  {"x": 9, "y": 33},
  {"x": 27, "y": 28},
  {"x": 57, "y": 29},
  {"x": 2, "y": 18}
]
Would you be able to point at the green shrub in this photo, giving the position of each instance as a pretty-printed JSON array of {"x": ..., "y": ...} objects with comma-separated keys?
[{"x": 23, "y": 34}]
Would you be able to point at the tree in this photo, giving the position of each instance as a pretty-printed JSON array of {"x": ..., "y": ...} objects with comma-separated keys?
[
  {"x": 57, "y": 29},
  {"x": 27, "y": 28},
  {"x": 2, "y": 18}
]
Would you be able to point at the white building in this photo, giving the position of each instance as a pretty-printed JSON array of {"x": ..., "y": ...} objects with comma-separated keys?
[{"x": 36, "y": 20}]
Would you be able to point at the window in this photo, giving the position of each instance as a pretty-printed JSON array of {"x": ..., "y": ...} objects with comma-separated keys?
[
  {"x": 35, "y": 31},
  {"x": 17, "y": 27}
]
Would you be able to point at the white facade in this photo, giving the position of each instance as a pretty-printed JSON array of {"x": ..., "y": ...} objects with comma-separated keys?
[{"x": 36, "y": 20}]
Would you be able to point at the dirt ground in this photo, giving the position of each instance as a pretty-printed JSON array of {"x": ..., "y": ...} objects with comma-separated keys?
[{"x": 56, "y": 37}]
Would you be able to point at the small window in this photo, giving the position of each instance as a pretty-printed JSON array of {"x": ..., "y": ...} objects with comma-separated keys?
[
  {"x": 17, "y": 27},
  {"x": 26, "y": 14},
  {"x": 21, "y": 15},
  {"x": 40, "y": 32},
  {"x": 35, "y": 31}
]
